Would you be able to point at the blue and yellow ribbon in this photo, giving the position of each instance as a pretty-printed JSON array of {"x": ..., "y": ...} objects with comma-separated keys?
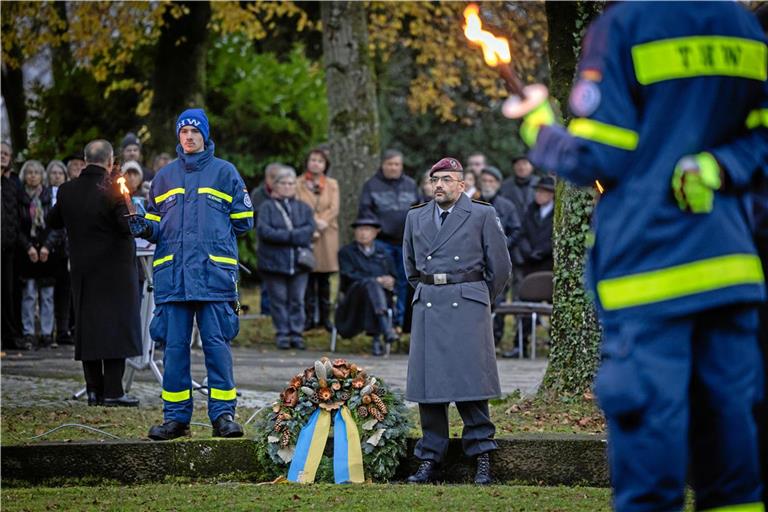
[
  {"x": 309, "y": 447},
  {"x": 347, "y": 452}
]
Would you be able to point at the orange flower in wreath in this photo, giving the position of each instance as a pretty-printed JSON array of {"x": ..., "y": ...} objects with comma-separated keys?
[
  {"x": 290, "y": 397},
  {"x": 324, "y": 394},
  {"x": 358, "y": 382}
]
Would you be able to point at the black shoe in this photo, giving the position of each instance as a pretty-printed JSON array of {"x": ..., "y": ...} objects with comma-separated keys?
[
  {"x": 225, "y": 426},
  {"x": 168, "y": 430},
  {"x": 483, "y": 474},
  {"x": 64, "y": 340},
  {"x": 28, "y": 342},
  {"x": 298, "y": 344},
  {"x": 427, "y": 473},
  {"x": 123, "y": 401},
  {"x": 284, "y": 344},
  {"x": 46, "y": 341},
  {"x": 377, "y": 349},
  {"x": 94, "y": 399}
]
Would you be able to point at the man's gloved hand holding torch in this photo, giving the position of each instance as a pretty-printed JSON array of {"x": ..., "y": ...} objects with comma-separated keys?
[{"x": 694, "y": 182}]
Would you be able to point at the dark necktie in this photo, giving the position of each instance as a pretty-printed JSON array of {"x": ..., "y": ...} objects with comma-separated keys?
[{"x": 443, "y": 216}]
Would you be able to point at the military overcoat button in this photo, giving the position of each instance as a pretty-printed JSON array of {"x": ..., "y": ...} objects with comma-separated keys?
[
  {"x": 429, "y": 258},
  {"x": 455, "y": 258},
  {"x": 455, "y": 304},
  {"x": 429, "y": 304}
]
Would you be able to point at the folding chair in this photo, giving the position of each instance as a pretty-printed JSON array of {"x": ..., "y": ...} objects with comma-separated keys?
[{"x": 535, "y": 299}]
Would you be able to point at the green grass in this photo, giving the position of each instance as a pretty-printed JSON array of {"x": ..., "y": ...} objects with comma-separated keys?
[
  {"x": 285, "y": 497},
  {"x": 19, "y": 424},
  {"x": 512, "y": 415}
]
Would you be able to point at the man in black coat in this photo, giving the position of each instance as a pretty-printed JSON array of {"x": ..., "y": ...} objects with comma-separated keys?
[
  {"x": 104, "y": 276},
  {"x": 519, "y": 188},
  {"x": 489, "y": 184},
  {"x": 534, "y": 251},
  {"x": 10, "y": 232},
  {"x": 388, "y": 196},
  {"x": 366, "y": 276},
  {"x": 535, "y": 247}
]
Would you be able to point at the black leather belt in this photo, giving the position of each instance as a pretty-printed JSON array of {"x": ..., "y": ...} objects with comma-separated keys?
[{"x": 438, "y": 279}]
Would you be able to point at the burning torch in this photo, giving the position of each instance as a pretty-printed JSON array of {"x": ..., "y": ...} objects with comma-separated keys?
[
  {"x": 126, "y": 195},
  {"x": 496, "y": 53}
]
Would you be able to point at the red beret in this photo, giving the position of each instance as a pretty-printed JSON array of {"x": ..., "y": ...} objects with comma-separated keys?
[{"x": 446, "y": 164}]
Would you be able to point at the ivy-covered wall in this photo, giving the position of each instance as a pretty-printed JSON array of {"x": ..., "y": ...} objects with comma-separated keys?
[{"x": 575, "y": 330}]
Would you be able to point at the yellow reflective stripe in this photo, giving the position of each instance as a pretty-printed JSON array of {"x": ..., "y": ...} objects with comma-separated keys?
[
  {"x": 741, "y": 507},
  {"x": 160, "y": 261},
  {"x": 686, "y": 57},
  {"x": 607, "y": 134},
  {"x": 680, "y": 281},
  {"x": 177, "y": 396},
  {"x": 241, "y": 215},
  {"x": 757, "y": 118},
  {"x": 214, "y": 192},
  {"x": 223, "y": 394},
  {"x": 223, "y": 259},
  {"x": 162, "y": 197},
  {"x": 152, "y": 216}
]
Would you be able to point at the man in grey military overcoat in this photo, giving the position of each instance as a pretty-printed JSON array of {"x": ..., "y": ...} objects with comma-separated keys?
[{"x": 456, "y": 256}]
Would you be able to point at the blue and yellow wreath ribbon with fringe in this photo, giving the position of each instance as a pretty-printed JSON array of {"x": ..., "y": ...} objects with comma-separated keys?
[{"x": 347, "y": 452}]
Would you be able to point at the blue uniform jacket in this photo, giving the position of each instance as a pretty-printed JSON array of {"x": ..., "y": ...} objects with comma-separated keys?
[
  {"x": 198, "y": 205},
  {"x": 657, "y": 82}
]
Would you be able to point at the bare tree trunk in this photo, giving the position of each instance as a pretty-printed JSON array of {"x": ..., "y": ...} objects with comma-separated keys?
[
  {"x": 179, "y": 76},
  {"x": 352, "y": 114},
  {"x": 15, "y": 103},
  {"x": 575, "y": 330}
]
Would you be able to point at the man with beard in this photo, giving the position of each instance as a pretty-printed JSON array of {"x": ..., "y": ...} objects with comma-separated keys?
[{"x": 455, "y": 254}]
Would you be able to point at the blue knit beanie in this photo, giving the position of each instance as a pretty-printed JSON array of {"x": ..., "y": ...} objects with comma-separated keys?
[{"x": 194, "y": 117}]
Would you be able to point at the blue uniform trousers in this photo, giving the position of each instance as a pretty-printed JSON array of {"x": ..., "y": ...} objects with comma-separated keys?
[
  {"x": 218, "y": 324},
  {"x": 679, "y": 393},
  {"x": 476, "y": 437}
]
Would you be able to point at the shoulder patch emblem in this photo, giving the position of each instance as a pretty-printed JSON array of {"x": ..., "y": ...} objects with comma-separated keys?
[
  {"x": 585, "y": 98},
  {"x": 419, "y": 205},
  {"x": 247, "y": 201}
]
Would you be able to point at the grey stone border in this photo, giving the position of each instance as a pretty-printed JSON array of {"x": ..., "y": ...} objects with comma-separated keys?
[{"x": 540, "y": 459}]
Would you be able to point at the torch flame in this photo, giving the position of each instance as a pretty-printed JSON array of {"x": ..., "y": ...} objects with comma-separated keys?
[
  {"x": 123, "y": 188},
  {"x": 495, "y": 49}
]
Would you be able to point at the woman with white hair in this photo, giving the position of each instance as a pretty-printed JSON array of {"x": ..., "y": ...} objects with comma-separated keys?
[
  {"x": 285, "y": 228},
  {"x": 37, "y": 242}
]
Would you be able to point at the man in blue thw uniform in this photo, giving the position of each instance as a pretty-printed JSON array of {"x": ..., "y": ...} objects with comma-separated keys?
[
  {"x": 671, "y": 115},
  {"x": 198, "y": 205}
]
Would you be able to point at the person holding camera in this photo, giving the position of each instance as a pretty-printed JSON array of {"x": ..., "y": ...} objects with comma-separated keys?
[{"x": 285, "y": 228}]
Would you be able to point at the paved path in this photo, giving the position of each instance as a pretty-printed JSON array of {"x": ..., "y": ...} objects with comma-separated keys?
[{"x": 260, "y": 374}]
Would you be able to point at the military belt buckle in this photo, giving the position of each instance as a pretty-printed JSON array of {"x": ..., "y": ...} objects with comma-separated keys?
[{"x": 440, "y": 278}]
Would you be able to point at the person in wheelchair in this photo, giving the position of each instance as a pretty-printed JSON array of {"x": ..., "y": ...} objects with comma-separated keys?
[{"x": 366, "y": 287}]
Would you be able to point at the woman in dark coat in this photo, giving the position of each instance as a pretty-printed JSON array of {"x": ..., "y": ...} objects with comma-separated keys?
[
  {"x": 38, "y": 245},
  {"x": 285, "y": 225},
  {"x": 104, "y": 277}
]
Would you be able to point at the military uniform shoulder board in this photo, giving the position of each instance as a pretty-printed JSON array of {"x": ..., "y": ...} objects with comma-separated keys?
[
  {"x": 419, "y": 205},
  {"x": 481, "y": 202}
]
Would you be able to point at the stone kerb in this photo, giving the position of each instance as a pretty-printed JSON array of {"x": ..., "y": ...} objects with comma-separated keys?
[{"x": 549, "y": 459}]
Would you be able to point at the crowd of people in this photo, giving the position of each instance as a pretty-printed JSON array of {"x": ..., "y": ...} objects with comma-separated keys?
[
  {"x": 296, "y": 223},
  {"x": 37, "y": 296},
  {"x": 299, "y": 214}
]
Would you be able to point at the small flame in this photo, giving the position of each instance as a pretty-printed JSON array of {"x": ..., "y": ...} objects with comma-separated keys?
[
  {"x": 123, "y": 188},
  {"x": 495, "y": 49}
]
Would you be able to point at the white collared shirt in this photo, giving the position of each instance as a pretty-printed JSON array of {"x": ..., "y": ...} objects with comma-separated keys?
[{"x": 544, "y": 210}]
